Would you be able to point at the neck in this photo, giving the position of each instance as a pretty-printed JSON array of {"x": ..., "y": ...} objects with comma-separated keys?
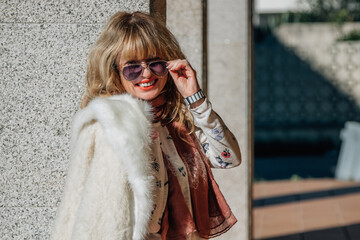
[{"x": 158, "y": 104}]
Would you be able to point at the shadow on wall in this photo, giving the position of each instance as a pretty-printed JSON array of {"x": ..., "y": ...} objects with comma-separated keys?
[{"x": 298, "y": 112}]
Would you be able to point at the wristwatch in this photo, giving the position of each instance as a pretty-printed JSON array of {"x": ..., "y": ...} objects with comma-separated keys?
[{"x": 194, "y": 98}]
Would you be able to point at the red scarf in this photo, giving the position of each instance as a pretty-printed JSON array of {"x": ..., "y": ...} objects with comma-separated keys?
[{"x": 212, "y": 216}]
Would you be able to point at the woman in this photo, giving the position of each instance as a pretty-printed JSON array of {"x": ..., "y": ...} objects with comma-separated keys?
[{"x": 140, "y": 164}]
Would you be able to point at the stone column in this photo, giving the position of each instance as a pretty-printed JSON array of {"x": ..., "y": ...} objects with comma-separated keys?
[
  {"x": 230, "y": 91},
  {"x": 216, "y": 44},
  {"x": 44, "y": 46},
  {"x": 185, "y": 21}
]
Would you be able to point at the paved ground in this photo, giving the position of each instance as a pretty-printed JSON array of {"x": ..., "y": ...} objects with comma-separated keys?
[{"x": 312, "y": 209}]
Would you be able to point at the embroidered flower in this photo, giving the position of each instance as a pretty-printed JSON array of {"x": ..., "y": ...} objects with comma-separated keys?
[
  {"x": 182, "y": 170},
  {"x": 221, "y": 162},
  {"x": 155, "y": 135},
  {"x": 154, "y": 207},
  {"x": 219, "y": 137},
  {"x": 226, "y": 153},
  {"x": 158, "y": 183},
  {"x": 155, "y": 166},
  {"x": 205, "y": 146},
  {"x": 215, "y": 131},
  {"x": 218, "y": 132}
]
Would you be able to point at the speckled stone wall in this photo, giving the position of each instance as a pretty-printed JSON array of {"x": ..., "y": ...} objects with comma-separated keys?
[{"x": 43, "y": 46}]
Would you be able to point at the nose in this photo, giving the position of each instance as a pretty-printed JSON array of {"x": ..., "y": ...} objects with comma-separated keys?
[{"x": 146, "y": 73}]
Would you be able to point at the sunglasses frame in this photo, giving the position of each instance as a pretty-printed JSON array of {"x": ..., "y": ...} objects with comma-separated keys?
[{"x": 142, "y": 68}]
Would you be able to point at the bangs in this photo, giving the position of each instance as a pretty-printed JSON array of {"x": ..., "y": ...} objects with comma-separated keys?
[{"x": 140, "y": 44}]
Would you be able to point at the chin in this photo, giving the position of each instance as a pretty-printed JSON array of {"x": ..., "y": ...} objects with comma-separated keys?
[{"x": 147, "y": 96}]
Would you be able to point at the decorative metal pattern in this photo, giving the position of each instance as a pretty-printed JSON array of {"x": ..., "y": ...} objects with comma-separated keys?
[{"x": 306, "y": 84}]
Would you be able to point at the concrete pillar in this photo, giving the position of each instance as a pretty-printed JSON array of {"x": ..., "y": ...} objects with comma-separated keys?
[
  {"x": 185, "y": 21},
  {"x": 230, "y": 91},
  {"x": 216, "y": 44},
  {"x": 44, "y": 46}
]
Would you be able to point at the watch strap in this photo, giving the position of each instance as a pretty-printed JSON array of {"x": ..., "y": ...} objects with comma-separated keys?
[{"x": 194, "y": 98}]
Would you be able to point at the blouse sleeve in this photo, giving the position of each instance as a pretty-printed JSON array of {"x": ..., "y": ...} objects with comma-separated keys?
[{"x": 218, "y": 142}]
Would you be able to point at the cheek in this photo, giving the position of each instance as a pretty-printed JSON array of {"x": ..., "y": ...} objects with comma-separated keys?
[
  {"x": 163, "y": 81},
  {"x": 126, "y": 85}
]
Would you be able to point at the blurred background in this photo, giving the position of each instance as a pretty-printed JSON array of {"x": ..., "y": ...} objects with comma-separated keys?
[
  {"x": 306, "y": 114},
  {"x": 307, "y": 84}
]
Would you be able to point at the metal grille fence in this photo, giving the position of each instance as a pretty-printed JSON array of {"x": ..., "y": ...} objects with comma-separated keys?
[{"x": 307, "y": 85}]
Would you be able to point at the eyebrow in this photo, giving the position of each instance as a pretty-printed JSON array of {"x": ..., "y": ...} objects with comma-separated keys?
[{"x": 152, "y": 59}]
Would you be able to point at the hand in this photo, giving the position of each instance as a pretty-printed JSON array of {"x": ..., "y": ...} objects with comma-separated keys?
[{"x": 184, "y": 77}]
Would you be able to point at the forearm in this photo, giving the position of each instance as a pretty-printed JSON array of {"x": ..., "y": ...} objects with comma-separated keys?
[{"x": 219, "y": 144}]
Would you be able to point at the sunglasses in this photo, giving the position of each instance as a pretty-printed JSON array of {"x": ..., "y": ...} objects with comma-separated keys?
[{"x": 134, "y": 71}]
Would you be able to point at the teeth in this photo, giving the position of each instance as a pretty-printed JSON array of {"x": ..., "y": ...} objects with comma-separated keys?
[{"x": 146, "y": 84}]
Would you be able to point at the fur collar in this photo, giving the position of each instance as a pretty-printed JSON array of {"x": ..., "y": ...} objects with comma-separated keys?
[{"x": 126, "y": 123}]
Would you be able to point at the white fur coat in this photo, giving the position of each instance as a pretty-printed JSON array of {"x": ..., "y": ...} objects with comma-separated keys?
[{"x": 108, "y": 193}]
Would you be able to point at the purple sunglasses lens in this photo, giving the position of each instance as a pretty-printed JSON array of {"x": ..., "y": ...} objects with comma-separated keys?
[
  {"x": 132, "y": 72},
  {"x": 159, "y": 68}
]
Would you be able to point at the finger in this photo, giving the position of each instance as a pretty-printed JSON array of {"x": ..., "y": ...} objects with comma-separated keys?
[
  {"x": 172, "y": 63},
  {"x": 178, "y": 77},
  {"x": 182, "y": 65},
  {"x": 179, "y": 64},
  {"x": 174, "y": 74}
]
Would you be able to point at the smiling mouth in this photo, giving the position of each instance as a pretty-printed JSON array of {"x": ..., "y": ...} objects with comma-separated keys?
[{"x": 148, "y": 84}]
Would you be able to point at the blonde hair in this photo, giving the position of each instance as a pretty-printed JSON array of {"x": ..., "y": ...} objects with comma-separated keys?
[{"x": 134, "y": 36}]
